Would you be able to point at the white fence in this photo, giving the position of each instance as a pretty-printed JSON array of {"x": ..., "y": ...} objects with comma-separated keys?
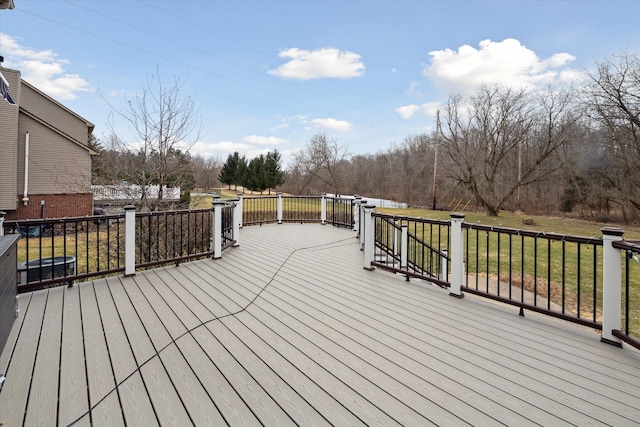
[{"x": 124, "y": 192}]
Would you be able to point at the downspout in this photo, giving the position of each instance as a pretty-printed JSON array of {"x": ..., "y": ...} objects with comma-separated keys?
[{"x": 25, "y": 198}]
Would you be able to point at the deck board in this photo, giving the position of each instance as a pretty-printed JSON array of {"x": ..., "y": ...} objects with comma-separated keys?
[
  {"x": 227, "y": 400},
  {"x": 101, "y": 382},
  {"x": 199, "y": 405},
  {"x": 73, "y": 378},
  {"x": 249, "y": 390},
  {"x": 289, "y": 329},
  {"x": 15, "y": 390},
  {"x": 44, "y": 398}
]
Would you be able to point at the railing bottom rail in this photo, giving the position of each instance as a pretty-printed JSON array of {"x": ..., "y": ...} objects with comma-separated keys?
[
  {"x": 629, "y": 339},
  {"x": 530, "y": 307},
  {"x": 405, "y": 272}
]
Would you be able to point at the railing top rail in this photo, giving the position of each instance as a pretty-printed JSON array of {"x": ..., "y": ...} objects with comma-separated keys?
[
  {"x": 259, "y": 197},
  {"x": 39, "y": 221},
  {"x": 301, "y": 197},
  {"x": 176, "y": 212},
  {"x": 411, "y": 218},
  {"x": 627, "y": 245},
  {"x": 534, "y": 233}
]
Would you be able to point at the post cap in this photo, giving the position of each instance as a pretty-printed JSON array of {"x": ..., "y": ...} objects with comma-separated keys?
[
  {"x": 612, "y": 231},
  {"x": 457, "y": 215},
  {"x": 129, "y": 208}
]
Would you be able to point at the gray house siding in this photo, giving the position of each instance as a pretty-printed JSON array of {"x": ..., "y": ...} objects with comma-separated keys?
[
  {"x": 9, "y": 143},
  {"x": 56, "y": 165},
  {"x": 54, "y": 113},
  {"x": 59, "y": 159}
]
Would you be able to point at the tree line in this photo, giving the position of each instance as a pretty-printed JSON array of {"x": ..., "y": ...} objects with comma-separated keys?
[
  {"x": 572, "y": 150},
  {"x": 561, "y": 149}
]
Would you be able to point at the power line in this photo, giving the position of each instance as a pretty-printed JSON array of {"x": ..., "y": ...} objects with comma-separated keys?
[
  {"x": 196, "y": 49},
  {"x": 173, "y": 60}
]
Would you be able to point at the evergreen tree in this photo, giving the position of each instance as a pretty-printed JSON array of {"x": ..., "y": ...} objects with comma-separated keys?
[
  {"x": 273, "y": 167},
  {"x": 257, "y": 176},
  {"x": 240, "y": 176},
  {"x": 228, "y": 172}
]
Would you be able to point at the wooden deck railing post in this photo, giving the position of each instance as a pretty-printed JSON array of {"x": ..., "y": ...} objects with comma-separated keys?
[
  {"x": 323, "y": 210},
  {"x": 2, "y": 214},
  {"x": 356, "y": 215},
  {"x": 611, "y": 285},
  {"x": 237, "y": 220},
  {"x": 239, "y": 195},
  {"x": 404, "y": 246},
  {"x": 279, "y": 207},
  {"x": 129, "y": 240},
  {"x": 369, "y": 237},
  {"x": 362, "y": 223},
  {"x": 216, "y": 234},
  {"x": 457, "y": 255}
]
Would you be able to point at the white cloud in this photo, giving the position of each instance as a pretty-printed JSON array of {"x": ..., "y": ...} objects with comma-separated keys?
[
  {"x": 43, "y": 69},
  {"x": 508, "y": 62},
  {"x": 220, "y": 149},
  {"x": 428, "y": 109},
  {"x": 265, "y": 140},
  {"x": 319, "y": 63},
  {"x": 332, "y": 124},
  {"x": 251, "y": 146},
  {"x": 279, "y": 127},
  {"x": 414, "y": 88}
]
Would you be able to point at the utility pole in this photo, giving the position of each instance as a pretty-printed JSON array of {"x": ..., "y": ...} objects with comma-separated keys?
[{"x": 435, "y": 159}]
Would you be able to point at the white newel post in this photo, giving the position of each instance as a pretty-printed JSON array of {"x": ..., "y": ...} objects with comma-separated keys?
[
  {"x": 396, "y": 241},
  {"x": 611, "y": 285},
  {"x": 279, "y": 207},
  {"x": 323, "y": 210},
  {"x": 456, "y": 255},
  {"x": 2, "y": 214},
  {"x": 356, "y": 215},
  {"x": 369, "y": 237},
  {"x": 404, "y": 246},
  {"x": 129, "y": 240},
  {"x": 362, "y": 224},
  {"x": 239, "y": 195},
  {"x": 216, "y": 238},
  {"x": 237, "y": 220},
  {"x": 444, "y": 266}
]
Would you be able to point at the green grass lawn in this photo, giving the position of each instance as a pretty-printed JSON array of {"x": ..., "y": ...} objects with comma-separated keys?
[{"x": 556, "y": 266}]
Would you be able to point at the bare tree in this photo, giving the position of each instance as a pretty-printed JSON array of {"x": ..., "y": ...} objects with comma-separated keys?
[
  {"x": 411, "y": 163},
  {"x": 164, "y": 125},
  {"x": 502, "y": 139},
  {"x": 325, "y": 161},
  {"x": 613, "y": 103},
  {"x": 206, "y": 171}
]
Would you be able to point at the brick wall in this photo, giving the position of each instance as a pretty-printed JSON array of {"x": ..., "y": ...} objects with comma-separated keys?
[{"x": 55, "y": 206}]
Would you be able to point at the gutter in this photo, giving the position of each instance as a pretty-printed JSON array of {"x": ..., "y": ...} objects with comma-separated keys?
[{"x": 25, "y": 198}]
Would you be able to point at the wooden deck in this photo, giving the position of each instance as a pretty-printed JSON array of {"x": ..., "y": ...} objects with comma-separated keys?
[{"x": 289, "y": 329}]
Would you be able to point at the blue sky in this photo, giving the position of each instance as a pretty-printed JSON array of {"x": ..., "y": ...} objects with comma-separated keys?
[{"x": 271, "y": 74}]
